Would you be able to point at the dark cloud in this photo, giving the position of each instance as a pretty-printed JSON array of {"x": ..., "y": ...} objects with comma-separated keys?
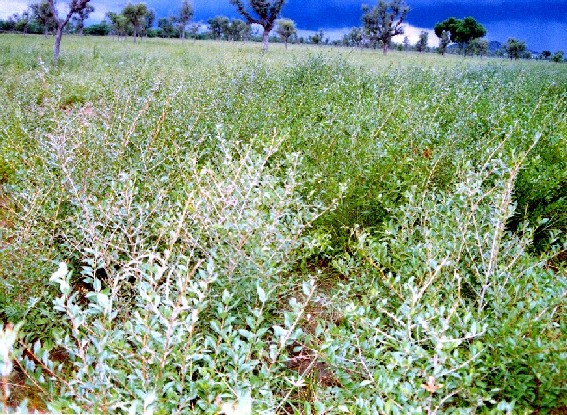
[{"x": 541, "y": 23}]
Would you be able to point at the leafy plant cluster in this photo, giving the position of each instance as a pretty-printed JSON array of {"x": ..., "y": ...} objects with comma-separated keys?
[{"x": 327, "y": 234}]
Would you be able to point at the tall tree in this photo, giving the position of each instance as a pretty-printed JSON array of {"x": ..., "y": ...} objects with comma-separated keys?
[
  {"x": 444, "y": 41},
  {"x": 558, "y": 56},
  {"x": 237, "y": 30},
  {"x": 167, "y": 26},
  {"x": 285, "y": 29},
  {"x": 478, "y": 47},
  {"x": 21, "y": 23},
  {"x": 317, "y": 38},
  {"x": 148, "y": 22},
  {"x": 43, "y": 14},
  {"x": 218, "y": 26},
  {"x": 262, "y": 12},
  {"x": 421, "y": 45},
  {"x": 406, "y": 43},
  {"x": 384, "y": 21},
  {"x": 515, "y": 48},
  {"x": 81, "y": 16},
  {"x": 118, "y": 23},
  {"x": 461, "y": 31},
  {"x": 194, "y": 30},
  {"x": 185, "y": 16},
  {"x": 74, "y": 7},
  {"x": 136, "y": 15}
]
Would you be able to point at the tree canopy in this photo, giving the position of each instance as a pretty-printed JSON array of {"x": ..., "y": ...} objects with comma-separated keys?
[
  {"x": 384, "y": 21},
  {"x": 262, "y": 12},
  {"x": 137, "y": 15},
  {"x": 460, "y": 31},
  {"x": 285, "y": 29},
  {"x": 515, "y": 48},
  {"x": 185, "y": 16}
]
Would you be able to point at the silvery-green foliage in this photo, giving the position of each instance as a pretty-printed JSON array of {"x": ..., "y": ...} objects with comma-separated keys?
[
  {"x": 188, "y": 318},
  {"x": 434, "y": 333}
]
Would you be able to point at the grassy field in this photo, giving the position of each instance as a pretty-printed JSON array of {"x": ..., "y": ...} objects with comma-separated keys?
[{"x": 204, "y": 228}]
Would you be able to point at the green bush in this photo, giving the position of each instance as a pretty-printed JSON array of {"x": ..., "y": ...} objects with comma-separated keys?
[{"x": 299, "y": 232}]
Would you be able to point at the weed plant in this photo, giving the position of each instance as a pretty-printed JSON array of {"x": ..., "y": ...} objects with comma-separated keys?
[{"x": 200, "y": 227}]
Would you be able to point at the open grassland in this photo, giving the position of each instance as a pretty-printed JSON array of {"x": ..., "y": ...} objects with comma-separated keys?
[{"x": 312, "y": 231}]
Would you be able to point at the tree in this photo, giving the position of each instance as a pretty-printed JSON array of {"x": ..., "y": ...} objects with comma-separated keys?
[
  {"x": 19, "y": 23},
  {"x": 118, "y": 23},
  {"x": 101, "y": 29},
  {"x": 406, "y": 43},
  {"x": 354, "y": 37},
  {"x": 478, "y": 47},
  {"x": 444, "y": 41},
  {"x": 317, "y": 38},
  {"x": 546, "y": 54},
  {"x": 384, "y": 21},
  {"x": 515, "y": 48},
  {"x": 185, "y": 16},
  {"x": 136, "y": 15},
  {"x": 194, "y": 30},
  {"x": 461, "y": 31},
  {"x": 74, "y": 7},
  {"x": 262, "y": 12},
  {"x": 218, "y": 26},
  {"x": 558, "y": 57},
  {"x": 167, "y": 26},
  {"x": 285, "y": 28},
  {"x": 81, "y": 16},
  {"x": 421, "y": 45},
  {"x": 43, "y": 14},
  {"x": 237, "y": 29}
]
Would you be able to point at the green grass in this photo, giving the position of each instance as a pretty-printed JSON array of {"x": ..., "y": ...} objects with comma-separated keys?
[{"x": 423, "y": 195}]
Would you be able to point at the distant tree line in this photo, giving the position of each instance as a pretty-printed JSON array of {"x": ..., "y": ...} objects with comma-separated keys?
[{"x": 381, "y": 23}]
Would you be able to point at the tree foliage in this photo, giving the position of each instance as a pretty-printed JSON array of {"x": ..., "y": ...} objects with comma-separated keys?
[
  {"x": 444, "y": 41},
  {"x": 43, "y": 14},
  {"x": 238, "y": 30},
  {"x": 75, "y": 7},
  {"x": 515, "y": 48},
  {"x": 421, "y": 45},
  {"x": 118, "y": 24},
  {"x": 478, "y": 47},
  {"x": 262, "y": 12},
  {"x": 137, "y": 16},
  {"x": 558, "y": 56},
  {"x": 384, "y": 21},
  {"x": 286, "y": 29},
  {"x": 167, "y": 27},
  {"x": 460, "y": 31},
  {"x": 218, "y": 26},
  {"x": 81, "y": 16},
  {"x": 185, "y": 16}
]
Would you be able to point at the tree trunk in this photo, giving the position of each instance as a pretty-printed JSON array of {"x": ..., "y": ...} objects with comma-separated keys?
[
  {"x": 286, "y": 44},
  {"x": 182, "y": 35},
  {"x": 385, "y": 49},
  {"x": 57, "y": 44},
  {"x": 265, "y": 38}
]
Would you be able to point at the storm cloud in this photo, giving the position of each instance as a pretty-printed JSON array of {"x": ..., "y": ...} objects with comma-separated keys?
[{"x": 542, "y": 24}]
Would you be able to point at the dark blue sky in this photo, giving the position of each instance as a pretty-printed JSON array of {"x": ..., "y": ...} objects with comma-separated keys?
[{"x": 542, "y": 24}]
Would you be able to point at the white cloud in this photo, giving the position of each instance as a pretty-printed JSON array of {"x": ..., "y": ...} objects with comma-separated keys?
[
  {"x": 412, "y": 32},
  {"x": 9, "y": 7}
]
